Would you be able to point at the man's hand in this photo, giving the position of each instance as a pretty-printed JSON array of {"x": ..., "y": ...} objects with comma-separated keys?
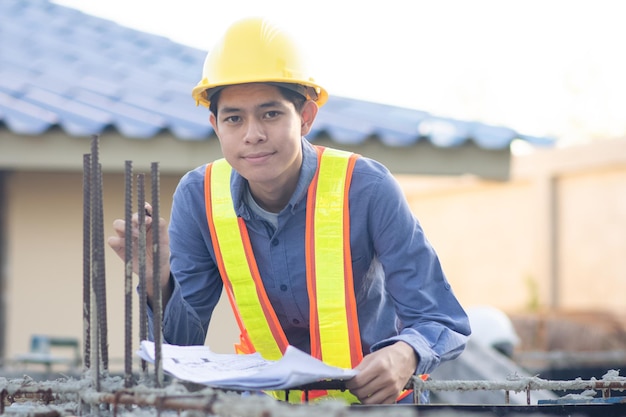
[
  {"x": 118, "y": 244},
  {"x": 384, "y": 374}
]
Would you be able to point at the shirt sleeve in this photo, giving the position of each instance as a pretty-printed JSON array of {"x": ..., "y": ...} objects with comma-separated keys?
[
  {"x": 430, "y": 318},
  {"x": 197, "y": 284}
]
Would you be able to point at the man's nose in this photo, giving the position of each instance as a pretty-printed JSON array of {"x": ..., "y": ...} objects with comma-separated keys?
[{"x": 254, "y": 132}]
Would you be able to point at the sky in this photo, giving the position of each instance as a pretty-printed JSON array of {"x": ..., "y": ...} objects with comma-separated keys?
[{"x": 552, "y": 68}]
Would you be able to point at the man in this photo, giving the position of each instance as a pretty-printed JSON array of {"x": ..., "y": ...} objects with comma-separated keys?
[{"x": 316, "y": 248}]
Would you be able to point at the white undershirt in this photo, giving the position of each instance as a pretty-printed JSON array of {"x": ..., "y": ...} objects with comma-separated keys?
[{"x": 272, "y": 218}]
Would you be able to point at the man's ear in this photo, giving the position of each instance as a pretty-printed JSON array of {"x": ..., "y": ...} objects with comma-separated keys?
[
  {"x": 213, "y": 121},
  {"x": 307, "y": 115}
]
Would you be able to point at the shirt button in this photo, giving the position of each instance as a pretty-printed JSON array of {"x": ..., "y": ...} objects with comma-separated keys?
[
  {"x": 296, "y": 321},
  {"x": 283, "y": 287},
  {"x": 275, "y": 242}
]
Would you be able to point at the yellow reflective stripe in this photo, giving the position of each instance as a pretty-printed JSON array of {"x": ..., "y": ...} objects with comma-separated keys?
[
  {"x": 329, "y": 259},
  {"x": 298, "y": 396},
  {"x": 236, "y": 265}
]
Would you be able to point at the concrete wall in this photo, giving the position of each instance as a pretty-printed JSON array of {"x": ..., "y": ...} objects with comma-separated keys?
[
  {"x": 554, "y": 236},
  {"x": 485, "y": 235}
]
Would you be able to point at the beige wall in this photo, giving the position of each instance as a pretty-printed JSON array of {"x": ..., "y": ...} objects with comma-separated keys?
[
  {"x": 592, "y": 232},
  {"x": 483, "y": 233},
  {"x": 554, "y": 236},
  {"x": 45, "y": 261},
  {"x": 505, "y": 244}
]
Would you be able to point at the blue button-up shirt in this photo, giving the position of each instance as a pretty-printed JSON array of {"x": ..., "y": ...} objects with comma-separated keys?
[{"x": 401, "y": 290}]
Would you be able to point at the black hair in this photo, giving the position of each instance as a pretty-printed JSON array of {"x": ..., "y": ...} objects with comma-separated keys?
[{"x": 294, "y": 97}]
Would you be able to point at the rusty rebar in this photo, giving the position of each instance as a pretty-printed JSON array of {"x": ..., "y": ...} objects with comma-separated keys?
[
  {"x": 94, "y": 311},
  {"x": 86, "y": 260},
  {"x": 161, "y": 402},
  {"x": 128, "y": 276},
  {"x": 44, "y": 395},
  {"x": 156, "y": 273},
  {"x": 163, "y": 399},
  {"x": 101, "y": 274},
  {"x": 141, "y": 258}
]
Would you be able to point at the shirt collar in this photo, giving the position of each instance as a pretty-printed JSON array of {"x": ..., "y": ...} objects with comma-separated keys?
[{"x": 239, "y": 184}]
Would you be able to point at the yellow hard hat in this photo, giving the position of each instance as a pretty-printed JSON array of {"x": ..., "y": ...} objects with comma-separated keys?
[{"x": 254, "y": 50}]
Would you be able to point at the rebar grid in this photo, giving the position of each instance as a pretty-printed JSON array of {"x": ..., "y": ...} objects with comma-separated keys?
[
  {"x": 207, "y": 402},
  {"x": 215, "y": 402},
  {"x": 94, "y": 287}
]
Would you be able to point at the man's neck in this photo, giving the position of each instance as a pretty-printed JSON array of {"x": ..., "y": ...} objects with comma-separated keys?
[{"x": 273, "y": 198}]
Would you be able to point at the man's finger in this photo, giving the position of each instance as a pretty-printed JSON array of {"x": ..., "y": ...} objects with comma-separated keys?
[{"x": 117, "y": 243}]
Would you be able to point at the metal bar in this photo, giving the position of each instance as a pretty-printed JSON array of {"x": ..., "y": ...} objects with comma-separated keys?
[
  {"x": 94, "y": 325},
  {"x": 128, "y": 276},
  {"x": 156, "y": 270},
  {"x": 141, "y": 257},
  {"x": 101, "y": 274},
  {"x": 3, "y": 396},
  {"x": 161, "y": 402},
  {"x": 417, "y": 395},
  {"x": 86, "y": 260}
]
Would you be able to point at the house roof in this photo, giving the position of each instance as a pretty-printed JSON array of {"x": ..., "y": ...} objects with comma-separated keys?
[{"x": 62, "y": 68}]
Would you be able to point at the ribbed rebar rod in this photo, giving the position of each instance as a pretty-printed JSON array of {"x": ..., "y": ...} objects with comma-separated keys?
[
  {"x": 198, "y": 403},
  {"x": 94, "y": 323},
  {"x": 98, "y": 232},
  {"x": 156, "y": 273},
  {"x": 128, "y": 275},
  {"x": 141, "y": 257},
  {"x": 86, "y": 260}
]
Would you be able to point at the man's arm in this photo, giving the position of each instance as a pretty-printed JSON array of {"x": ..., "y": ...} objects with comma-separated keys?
[
  {"x": 429, "y": 319},
  {"x": 195, "y": 282}
]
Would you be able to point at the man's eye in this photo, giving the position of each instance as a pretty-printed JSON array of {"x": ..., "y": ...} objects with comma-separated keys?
[
  {"x": 271, "y": 114},
  {"x": 232, "y": 119}
]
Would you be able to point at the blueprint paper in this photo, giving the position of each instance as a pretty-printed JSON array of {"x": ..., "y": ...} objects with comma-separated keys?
[{"x": 200, "y": 365}]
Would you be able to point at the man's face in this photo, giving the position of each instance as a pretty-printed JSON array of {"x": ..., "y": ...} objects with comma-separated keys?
[{"x": 260, "y": 132}]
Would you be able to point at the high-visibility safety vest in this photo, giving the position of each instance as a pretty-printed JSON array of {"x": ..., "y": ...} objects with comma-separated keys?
[{"x": 334, "y": 328}]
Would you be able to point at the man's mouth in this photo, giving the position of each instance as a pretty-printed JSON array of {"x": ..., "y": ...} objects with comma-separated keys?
[{"x": 258, "y": 157}]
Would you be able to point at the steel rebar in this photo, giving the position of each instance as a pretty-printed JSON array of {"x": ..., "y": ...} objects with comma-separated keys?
[
  {"x": 101, "y": 274},
  {"x": 86, "y": 260},
  {"x": 128, "y": 276},
  {"x": 156, "y": 270},
  {"x": 141, "y": 257},
  {"x": 94, "y": 324}
]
